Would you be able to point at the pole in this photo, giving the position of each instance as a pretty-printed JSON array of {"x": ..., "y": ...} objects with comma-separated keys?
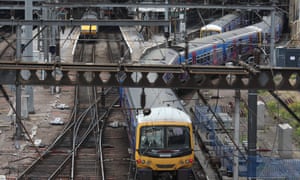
[
  {"x": 272, "y": 45},
  {"x": 28, "y": 52},
  {"x": 167, "y": 30},
  {"x": 236, "y": 134},
  {"x": 18, "y": 88},
  {"x": 252, "y": 135}
]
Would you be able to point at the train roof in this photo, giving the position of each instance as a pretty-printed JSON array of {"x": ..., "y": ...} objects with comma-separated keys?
[
  {"x": 164, "y": 114},
  {"x": 219, "y": 23},
  {"x": 155, "y": 97},
  {"x": 211, "y": 27},
  {"x": 90, "y": 15},
  {"x": 235, "y": 34},
  {"x": 265, "y": 24},
  {"x": 152, "y": 9},
  {"x": 162, "y": 56},
  {"x": 208, "y": 41},
  {"x": 204, "y": 42}
]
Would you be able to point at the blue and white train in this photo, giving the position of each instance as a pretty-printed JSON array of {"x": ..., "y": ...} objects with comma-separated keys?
[
  {"x": 226, "y": 23},
  {"x": 221, "y": 48}
]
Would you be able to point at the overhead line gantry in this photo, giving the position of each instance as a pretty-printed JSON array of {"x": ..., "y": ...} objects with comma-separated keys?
[{"x": 135, "y": 75}]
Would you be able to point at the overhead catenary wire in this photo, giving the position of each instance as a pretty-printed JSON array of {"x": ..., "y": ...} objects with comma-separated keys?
[{"x": 220, "y": 123}]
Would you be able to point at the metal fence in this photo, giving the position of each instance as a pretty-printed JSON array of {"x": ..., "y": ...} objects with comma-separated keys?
[{"x": 222, "y": 148}]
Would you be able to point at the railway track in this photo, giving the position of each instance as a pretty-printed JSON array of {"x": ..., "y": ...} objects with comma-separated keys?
[
  {"x": 91, "y": 145},
  {"x": 76, "y": 152},
  {"x": 94, "y": 144},
  {"x": 115, "y": 147},
  {"x": 115, "y": 142}
]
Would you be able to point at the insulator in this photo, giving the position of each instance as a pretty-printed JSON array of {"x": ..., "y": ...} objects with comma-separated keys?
[{"x": 143, "y": 99}]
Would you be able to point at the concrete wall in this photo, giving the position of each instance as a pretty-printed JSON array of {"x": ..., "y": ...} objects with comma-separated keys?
[
  {"x": 285, "y": 140},
  {"x": 294, "y": 21},
  {"x": 261, "y": 115}
]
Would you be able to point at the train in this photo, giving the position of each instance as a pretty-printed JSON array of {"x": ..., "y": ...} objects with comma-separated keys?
[
  {"x": 89, "y": 31},
  {"x": 218, "y": 49},
  {"x": 154, "y": 114},
  {"x": 160, "y": 133},
  {"x": 225, "y": 23}
]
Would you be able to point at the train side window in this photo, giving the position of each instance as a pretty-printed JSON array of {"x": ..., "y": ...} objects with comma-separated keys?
[
  {"x": 206, "y": 58},
  {"x": 219, "y": 54},
  {"x": 198, "y": 59},
  {"x": 211, "y": 57},
  {"x": 247, "y": 43},
  {"x": 229, "y": 50}
]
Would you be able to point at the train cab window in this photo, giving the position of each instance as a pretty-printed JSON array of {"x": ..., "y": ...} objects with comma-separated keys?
[
  {"x": 167, "y": 137},
  {"x": 151, "y": 137},
  {"x": 177, "y": 137}
]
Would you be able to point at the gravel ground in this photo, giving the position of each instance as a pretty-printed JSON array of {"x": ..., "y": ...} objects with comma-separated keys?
[{"x": 15, "y": 154}]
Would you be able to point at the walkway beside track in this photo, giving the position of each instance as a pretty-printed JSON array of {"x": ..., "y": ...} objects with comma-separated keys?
[
  {"x": 136, "y": 42},
  {"x": 138, "y": 45}
]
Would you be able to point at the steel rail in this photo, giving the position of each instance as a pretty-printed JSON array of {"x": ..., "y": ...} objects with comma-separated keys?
[
  {"x": 101, "y": 134},
  {"x": 82, "y": 139}
]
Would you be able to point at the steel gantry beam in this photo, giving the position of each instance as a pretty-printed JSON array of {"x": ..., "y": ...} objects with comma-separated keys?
[
  {"x": 117, "y": 22},
  {"x": 73, "y": 22},
  {"x": 158, "y": 76},
  {"x": 138, "y": 5},
  {"x": 157, "y": 5}
]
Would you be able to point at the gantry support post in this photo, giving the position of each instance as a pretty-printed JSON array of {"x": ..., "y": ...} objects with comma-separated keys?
[
  {"x": 236, "y": 134},
  {"x": 252, "y": 132}
]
